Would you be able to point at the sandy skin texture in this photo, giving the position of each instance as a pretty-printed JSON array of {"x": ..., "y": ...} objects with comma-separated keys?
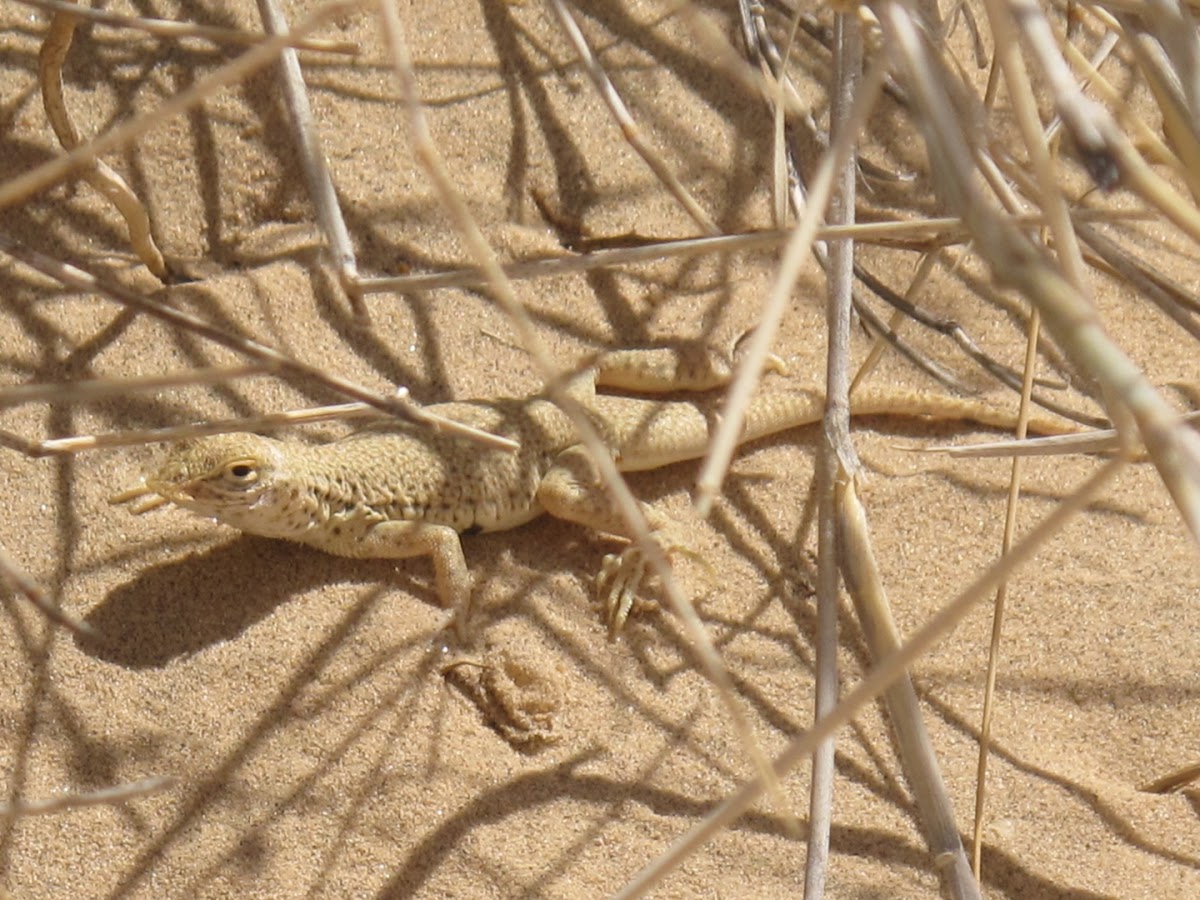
[{"x": 299, "y": 700}]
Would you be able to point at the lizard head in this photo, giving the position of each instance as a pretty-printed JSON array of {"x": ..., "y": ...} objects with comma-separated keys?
[{"x": 220, "y": 476}]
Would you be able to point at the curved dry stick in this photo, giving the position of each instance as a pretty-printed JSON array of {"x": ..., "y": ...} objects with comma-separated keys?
[
  {"x": 58, "y": 169},
  {"x": 99, "y": 174}
]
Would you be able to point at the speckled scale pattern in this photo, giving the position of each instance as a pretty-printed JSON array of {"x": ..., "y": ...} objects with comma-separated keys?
[
  {"x": 332, "y": 495},
  {"x": 409, "y": 473},
  {"x": 395, "y": 491}
]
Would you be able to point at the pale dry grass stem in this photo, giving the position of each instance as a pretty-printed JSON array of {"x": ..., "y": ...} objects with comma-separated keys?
[
  {"x": 177, "y": 30},
  {"x": 121, "y": 793}
]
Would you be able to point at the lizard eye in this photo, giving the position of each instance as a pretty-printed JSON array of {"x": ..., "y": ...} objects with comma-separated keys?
[{"x": 240, "y": 473}]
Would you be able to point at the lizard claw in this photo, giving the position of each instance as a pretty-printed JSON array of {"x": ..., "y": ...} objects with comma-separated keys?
[{"x": 621, "y": 575}]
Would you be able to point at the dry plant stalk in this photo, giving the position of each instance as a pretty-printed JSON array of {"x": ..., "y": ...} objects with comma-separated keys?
[
  {"x": 122, "y": 793},
  {"x": 99, "y": 174}
]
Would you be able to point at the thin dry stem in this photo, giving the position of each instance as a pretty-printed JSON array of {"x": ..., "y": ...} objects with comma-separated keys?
[
  {"x": 122, "y": 793},
  {"x": 940, "y": 231},
  {"x": 629, "y": 130},
  {"x": 307, "y": 142},
  {"x": 133, "y": 437},
  {"x": 838, "y": 460},
  {"x": 1010, "y": 525}
]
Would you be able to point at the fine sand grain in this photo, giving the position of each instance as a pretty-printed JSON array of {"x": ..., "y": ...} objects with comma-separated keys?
[{"x": 298, "y": 699}]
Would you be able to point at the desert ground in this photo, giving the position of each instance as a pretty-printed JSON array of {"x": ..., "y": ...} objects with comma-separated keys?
[{"x": 317, "y": 739}]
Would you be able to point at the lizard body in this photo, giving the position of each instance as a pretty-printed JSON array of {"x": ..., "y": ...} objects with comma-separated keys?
[{"x": 398, "y": 490}]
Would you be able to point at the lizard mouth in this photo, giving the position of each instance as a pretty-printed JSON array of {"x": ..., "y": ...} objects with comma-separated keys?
[
  {"x": 190, "y": 495},
  {"x": 170, "y": 491},
  {"x": 199, "y": 496}
]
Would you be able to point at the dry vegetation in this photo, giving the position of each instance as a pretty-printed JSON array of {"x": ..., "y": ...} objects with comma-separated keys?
[{"x": 511, "y": 187}]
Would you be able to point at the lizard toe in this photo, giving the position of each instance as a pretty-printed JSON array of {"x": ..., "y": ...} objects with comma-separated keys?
[{"x": 621, "y": 575}]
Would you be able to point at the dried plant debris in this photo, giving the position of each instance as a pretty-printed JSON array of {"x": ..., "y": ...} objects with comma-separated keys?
[{"x": 516, "y": 697}]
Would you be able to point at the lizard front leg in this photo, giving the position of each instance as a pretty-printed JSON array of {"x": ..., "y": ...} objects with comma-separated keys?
[
  {"x": 399, "y": 540},
  {"x": 572, "y": 490}
]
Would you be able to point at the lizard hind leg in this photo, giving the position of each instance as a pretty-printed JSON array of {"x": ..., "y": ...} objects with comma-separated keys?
[
  {"x": 661, "y": 370},
  {"x": 572, "y": 491},
  {"x": 679, "y": 367}
]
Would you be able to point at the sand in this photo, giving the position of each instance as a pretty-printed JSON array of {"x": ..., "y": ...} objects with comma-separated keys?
[{"x": 298, "y": 699}]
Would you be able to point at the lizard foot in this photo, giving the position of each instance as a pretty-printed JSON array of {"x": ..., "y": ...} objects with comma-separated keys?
[
  {"x": 621, "y": 575},
  {"x": 617, "y": 584}
]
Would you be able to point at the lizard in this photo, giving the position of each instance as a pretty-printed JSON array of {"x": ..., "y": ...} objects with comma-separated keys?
[{"x": 396, "y": 490}]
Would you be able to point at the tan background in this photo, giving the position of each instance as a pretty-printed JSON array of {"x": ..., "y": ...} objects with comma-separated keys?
[{"x": 296, "y": 696}]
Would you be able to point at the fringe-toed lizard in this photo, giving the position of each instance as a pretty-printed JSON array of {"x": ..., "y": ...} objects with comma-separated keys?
[{"x": 398, "y": 490}]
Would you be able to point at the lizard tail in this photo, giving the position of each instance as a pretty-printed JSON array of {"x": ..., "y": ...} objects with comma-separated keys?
[
  {"x": 875, "y": 401},
  {"x": 772, "y": 413}
]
